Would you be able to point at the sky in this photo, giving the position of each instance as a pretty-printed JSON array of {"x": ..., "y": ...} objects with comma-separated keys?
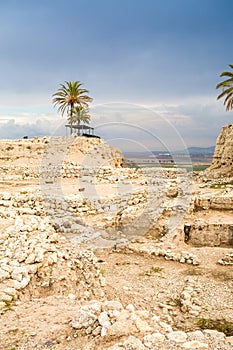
[{"x": 151, "y": 67}]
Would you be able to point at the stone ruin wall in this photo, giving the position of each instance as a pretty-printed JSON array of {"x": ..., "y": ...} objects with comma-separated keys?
[{"x": 222, "y": 164}]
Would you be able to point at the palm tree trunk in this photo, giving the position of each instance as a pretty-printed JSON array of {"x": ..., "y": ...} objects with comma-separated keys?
[{"x": 71, "y": 115}]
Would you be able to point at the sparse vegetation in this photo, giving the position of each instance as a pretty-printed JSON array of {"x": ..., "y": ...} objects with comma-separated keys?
[
  {"x": 153, "y": 269},
  {"x": 200, "y": 167},
  {"x": 192, "y": 271},
  {"x": 189, "y": 168},
  {"x": 103, "y": 272},
  {"x": 176, "y": 302},
  {"x": 14, "y": 331},
  {"x": 8, "y": 306},
  {"x": 156, "y": 269},
  {"x": 217, "y": 274},
  {"x": 222, "y": 275},
  {"x": 217, "y": 186},
  {"x": 221, "y": 185},
  {"x": 221, "y": 325}
]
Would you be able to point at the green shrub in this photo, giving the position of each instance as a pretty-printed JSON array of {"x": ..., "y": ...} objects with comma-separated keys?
[{"x": 221, "y": 325}]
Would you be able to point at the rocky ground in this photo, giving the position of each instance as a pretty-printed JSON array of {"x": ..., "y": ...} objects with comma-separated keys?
[
  {"x": 107, "y": 258},
  {"x": 148, "y": 303}
]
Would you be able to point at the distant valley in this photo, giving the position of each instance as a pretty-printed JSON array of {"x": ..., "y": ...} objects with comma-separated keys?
[{"x": 192, "y": 155}]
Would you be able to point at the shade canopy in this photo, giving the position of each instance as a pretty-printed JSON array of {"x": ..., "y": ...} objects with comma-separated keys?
[{"x": 81, "y": 128}]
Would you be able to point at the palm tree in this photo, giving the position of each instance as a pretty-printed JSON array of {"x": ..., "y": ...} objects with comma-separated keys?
[
  {"x": 227, "y": 86},
  {"x": 79, "y": 115},
  {"x": 70, "y": 95}
]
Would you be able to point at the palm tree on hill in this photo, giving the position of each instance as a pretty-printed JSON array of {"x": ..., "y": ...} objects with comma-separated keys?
[
  {"x": 69, "y": 96},
  {"x": 79, "y": 115},
  {"x": 227, "y": 87}
]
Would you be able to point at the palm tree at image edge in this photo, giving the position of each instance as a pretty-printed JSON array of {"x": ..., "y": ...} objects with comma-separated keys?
[
  {"x": 70, "y": 96},
  {"x": 227, "y": 87}
]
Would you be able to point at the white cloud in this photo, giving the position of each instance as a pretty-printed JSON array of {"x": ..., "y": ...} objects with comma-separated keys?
[
  {"x": 128, "y": 126},
  {"x": 14, "y": 129}
]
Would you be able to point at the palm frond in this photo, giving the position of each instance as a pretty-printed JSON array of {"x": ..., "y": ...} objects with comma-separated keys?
[
  {"x": 227, "y": 89},
  {"x": 226, "y": 74},
  {"x": 69, "y": 95},
  {"x": 80, "y": 115},
  {"x": 225, "y": 92}
]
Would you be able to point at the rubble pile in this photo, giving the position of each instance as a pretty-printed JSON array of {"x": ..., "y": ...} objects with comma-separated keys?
[
  {"x": 31, "y": 250},
  {"x": 227, "y": 259},
  {"x": 140, "y": 329}
]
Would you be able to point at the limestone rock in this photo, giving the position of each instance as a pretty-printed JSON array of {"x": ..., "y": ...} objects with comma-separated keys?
[
  {"x": 177, "y": 336},
  {"x": 222, "y": 164},
  {"x": 151, "y": 340},
  {"x": 4, "y": 275},
  {"x": 142, "y": 325},
  {"x": 195, "y": 344},
  {"x": 83, "y": 319},
  {"x": 104, "y": 320},
  {"x": 131, "y": 343},
  {"x": 121, "y": 328}
]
